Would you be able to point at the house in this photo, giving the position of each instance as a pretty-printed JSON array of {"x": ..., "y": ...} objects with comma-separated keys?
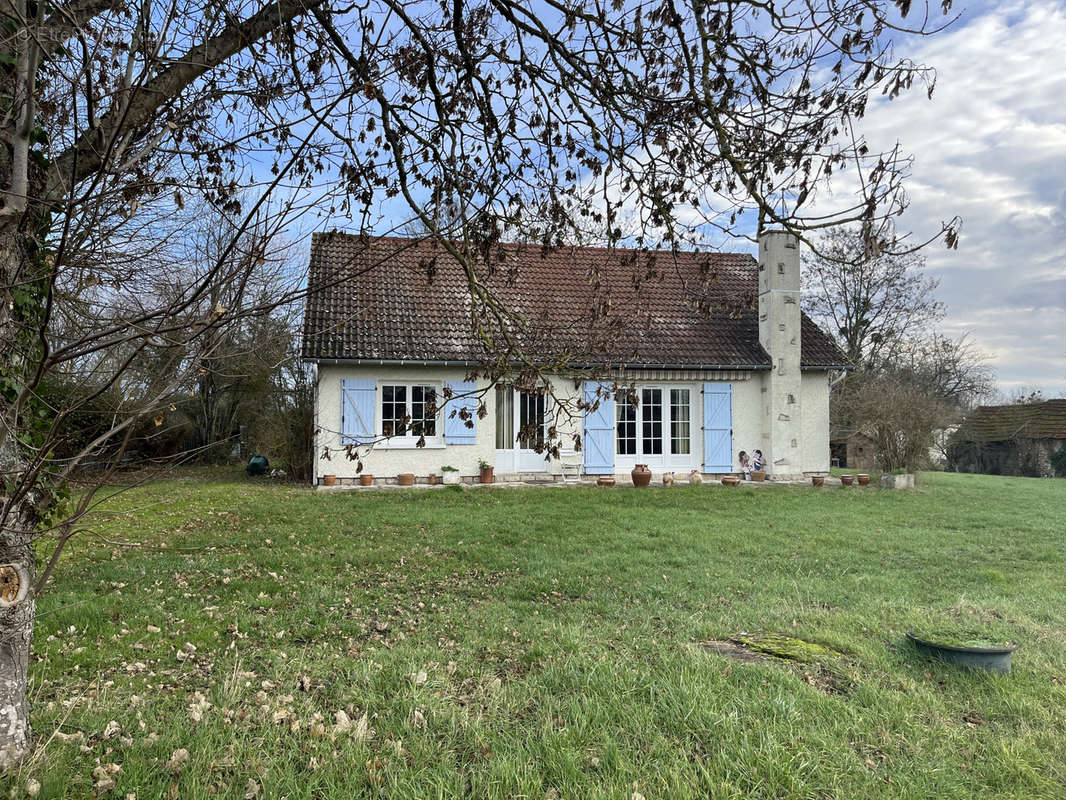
[
  {"x": 1018, "y": 439},
  {"x": 712, "y": 346},
  {"x": 853, "y": 450}
]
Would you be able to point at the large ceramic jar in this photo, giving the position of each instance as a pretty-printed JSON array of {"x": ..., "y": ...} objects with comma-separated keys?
[{"x": 641, "y": 475}]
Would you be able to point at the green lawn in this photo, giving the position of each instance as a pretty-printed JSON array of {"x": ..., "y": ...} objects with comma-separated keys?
[{"x": 545, "y": 643}]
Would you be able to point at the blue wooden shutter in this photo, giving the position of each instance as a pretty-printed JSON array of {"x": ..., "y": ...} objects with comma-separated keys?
[
  {"x": 718, "y": 427},
  {"x": 598, "y": 439},
  {"x": 455, "y": 427},
  {"x": 358, "y": 401}
]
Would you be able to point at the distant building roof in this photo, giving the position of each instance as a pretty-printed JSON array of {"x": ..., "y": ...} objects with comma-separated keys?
[
  {"x": 394, "y": 299},
  {"x": 1045, "y": 420}
]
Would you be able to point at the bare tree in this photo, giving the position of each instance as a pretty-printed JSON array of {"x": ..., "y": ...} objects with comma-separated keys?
[
  {"x": 689, "y": 118},
  {"x": 953, "y": 370},
  {"x": 871, "y": 299}
]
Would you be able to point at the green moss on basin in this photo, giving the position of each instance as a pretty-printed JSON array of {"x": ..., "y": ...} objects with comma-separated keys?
[
  {"x": 787, "y": 647},
  {"x": 970, "y": 639}
]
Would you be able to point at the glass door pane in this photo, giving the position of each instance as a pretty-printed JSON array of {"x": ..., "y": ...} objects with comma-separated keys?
[
  {"x": 531, "y": 420},
  {"x": 680, "y": 423},
  {"x": 626, "y": 420},
  {"x": 504, "y": 418},
  {"x": 651, "y": 412}
]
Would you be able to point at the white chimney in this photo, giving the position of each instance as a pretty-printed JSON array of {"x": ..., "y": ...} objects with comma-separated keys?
[{"x": 779, "y": 334}]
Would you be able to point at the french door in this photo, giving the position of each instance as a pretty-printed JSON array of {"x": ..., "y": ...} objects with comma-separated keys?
[
  {"x": 656, "y": 430},
  {"x": 521, "y": 424}
]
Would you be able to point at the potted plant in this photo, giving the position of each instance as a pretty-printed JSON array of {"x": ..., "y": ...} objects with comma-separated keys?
[
  {"x": 449, "y": 475},
  {"x": 486, "y": 469},
  {"x": 641, "y": 475},
  {"x": 863, "y": 479},
  {"x": 329, "y": 480},
  {"x": 405, "y": 479},
  {"x": 847, "y": 480},
  {"x": 366, "y": 479},
  {"x": 967, "y": 649}
]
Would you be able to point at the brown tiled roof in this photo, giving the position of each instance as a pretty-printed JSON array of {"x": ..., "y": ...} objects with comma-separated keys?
[
  {"x": 398, "y": 299},
  {"x": 1045, "y": 420}
]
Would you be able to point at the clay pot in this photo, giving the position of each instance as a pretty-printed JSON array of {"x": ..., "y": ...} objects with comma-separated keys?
[
  {"x": 329, "y": 480},
  {"x": 366, "y": 479},
  {"x": 604, "y": 480},
  {"x": 486, "y": 475},
  {"x": 864, "y": 480},
  {"x": 818, "y": 480},
  {"x": 432, "y": 479},
  {"x": 730, "y": 480},
  {"x": 758, "y": 476},
  {"x": 847, "y": 480},
  {"x": 405, "y": 479},
  {"x": 641, "y": 475}
]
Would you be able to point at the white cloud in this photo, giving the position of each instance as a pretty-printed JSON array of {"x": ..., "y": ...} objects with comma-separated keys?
[{"x": 991, "y": 147}]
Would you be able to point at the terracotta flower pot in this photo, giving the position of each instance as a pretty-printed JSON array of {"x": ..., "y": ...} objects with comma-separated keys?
[
  {"x": 432, "y": 479},
  {"x": 486, "y": 475},
  {"x": 329, "y": 480},
  {"x": 366, "y": 480},
  {"x": 864, "y": 480},
  {"x": 641, "y": 475},
  {"x": 847, "y": 480},
  {"x": 405, "y": 479},
  {"x": 604, "y": 480},
  {"x": 758, "y": 476},
  {"x": 818, "y": 480},
  {"x": 730, "y": 480}
]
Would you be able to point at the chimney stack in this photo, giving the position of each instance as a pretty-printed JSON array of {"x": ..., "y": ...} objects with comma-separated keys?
[{"x": 779, "y": 334}]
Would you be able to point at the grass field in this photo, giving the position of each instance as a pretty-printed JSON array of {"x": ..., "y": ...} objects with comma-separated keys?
[{"x": 546, "y": 643}]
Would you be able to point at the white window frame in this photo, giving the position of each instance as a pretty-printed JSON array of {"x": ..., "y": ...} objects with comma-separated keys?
[
  {"x": 407, "y": 440},
  {"x": 666, "y": 459}
]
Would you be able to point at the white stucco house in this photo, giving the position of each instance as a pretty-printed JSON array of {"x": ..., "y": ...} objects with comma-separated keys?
[{"x": 675, "y": 360}]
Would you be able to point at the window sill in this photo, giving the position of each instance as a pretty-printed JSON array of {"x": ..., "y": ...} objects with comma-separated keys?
[{"x": 409, "y": 444}]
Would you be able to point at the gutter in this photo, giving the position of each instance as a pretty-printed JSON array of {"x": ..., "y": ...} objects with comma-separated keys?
[{"x": 413, "y": 362}]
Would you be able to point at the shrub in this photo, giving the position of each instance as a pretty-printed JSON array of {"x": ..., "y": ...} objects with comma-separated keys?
[{"x": 1058, "y": 461}]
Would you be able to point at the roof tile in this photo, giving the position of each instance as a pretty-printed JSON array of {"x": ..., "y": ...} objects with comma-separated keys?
[
  {"x": 407, "y": 299},
  {"x": 1045, "y": 420}
]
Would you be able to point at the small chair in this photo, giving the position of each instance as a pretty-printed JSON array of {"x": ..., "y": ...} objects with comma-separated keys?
[{"x": 571, "y": 464}]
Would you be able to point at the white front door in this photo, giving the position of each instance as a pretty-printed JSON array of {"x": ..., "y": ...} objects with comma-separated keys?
[{"x": 521, "y": 422}]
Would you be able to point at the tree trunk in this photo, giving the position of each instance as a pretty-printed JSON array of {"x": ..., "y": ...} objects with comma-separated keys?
[
  {"x": 17, "y": 607},
  {"x": 20, "y": 506}
]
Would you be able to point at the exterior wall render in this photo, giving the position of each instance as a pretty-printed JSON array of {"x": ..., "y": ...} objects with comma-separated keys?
[
  {"x": 386, "y": 460},
  {"x": 815, "y": 422}
]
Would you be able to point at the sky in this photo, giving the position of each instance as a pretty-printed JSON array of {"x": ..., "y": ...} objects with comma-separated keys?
[{"x": 991, "y": 147}]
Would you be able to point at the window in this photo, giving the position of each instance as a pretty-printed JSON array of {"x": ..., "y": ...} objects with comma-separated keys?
[
  {"x": 680, "y": 423},
  {"x": 626, "y": 418},
  {"x": 408, "y": 410}
]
